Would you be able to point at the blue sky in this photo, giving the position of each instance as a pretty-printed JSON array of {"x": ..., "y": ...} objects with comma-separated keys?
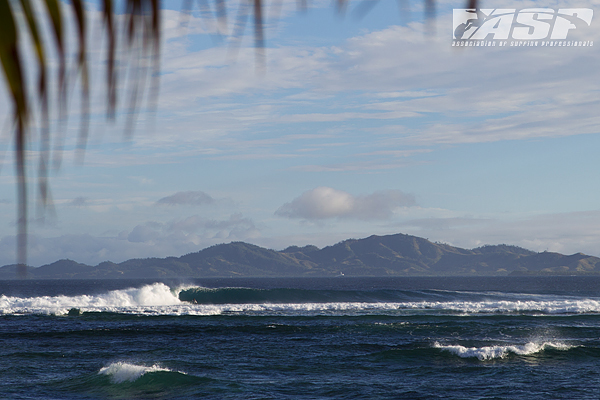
[{"x": 355, "y": 127}]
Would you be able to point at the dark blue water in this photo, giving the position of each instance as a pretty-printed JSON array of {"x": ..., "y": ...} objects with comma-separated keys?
[{"x": 335, "y": 338}]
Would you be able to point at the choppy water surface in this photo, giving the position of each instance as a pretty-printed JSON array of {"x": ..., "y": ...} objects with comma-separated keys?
[{"x": 414, "y": 338}]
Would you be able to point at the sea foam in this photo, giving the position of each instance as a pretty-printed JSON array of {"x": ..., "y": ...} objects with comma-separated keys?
[
  {"x": 120, "y": 372},
  {"x": 492, "y": 352}
]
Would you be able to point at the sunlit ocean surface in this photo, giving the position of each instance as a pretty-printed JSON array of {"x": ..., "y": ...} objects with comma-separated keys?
[{"x": 307, "y": 338}]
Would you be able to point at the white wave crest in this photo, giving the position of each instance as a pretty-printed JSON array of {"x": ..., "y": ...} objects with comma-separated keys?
[
  {"x": 120, "y": 372},
  {"x": 159, "y": 299},
  {"x": 491, "y": 352},
  {"x": 556, "y": 306},
  {"x": 559, "y": 306},
  {"x": 138, "y": 299}
]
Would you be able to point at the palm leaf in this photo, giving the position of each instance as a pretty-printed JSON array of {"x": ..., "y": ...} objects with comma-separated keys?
[
  {"x": 11, "y": 65},
  {"x": 85, "y": 80}
]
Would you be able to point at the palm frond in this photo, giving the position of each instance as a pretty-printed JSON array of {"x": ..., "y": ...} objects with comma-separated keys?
[
  {"x": 12, "y": 67},
  {"x": 85, "y": 80}
]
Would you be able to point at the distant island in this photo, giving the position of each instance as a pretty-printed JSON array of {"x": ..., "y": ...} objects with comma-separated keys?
[{"x": 391, "y": 255}]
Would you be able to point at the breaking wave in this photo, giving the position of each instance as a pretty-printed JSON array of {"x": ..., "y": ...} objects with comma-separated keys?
[
  {"x": 120, "y": 372},
  {"x": 160, "y": 299},
  {"x": 498, "y": 352},
  {"x": 144, "y": 299}
]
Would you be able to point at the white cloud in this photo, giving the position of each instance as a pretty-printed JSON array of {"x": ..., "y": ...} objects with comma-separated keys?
[
  {"x": 565, "y": 233},
  {"x": 195, "y": 230},
  {"x": 189, "y": 198},
  {"x": 325, "y": 202},
  {"x": 79, "y": 201},
  {"x": 391, "y": 79},
  {"x": 148, "y": 239},
  {"x": 235, "y": 227}
]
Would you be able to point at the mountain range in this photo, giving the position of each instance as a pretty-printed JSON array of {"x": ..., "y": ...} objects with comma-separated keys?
[{"x": 391, "y": 255}]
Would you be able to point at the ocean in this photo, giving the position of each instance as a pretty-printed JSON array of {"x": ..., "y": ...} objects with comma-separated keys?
[{"x": 306, "y": 338}]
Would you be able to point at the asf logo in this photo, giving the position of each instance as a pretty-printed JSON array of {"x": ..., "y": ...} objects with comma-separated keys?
[{"x": 525, "y": 24}]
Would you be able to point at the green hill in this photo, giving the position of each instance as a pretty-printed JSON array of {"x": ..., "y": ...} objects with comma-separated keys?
[{"x": 391, "y": 255}]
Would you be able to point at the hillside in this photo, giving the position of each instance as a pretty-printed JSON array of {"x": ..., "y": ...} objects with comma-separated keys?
[{"x": 392, "y": 255}]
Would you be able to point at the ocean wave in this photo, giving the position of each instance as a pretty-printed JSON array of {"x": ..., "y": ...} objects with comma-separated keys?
[
  {"x": 120, "y": 372},
  {"x": 140, "y": 299},
  {"x": 501, "y": 351},
  {"x": 558, "y": 306},
  {"x": 461, "y": 302},
  {"x": 518, "y": 307},
  {"x": 160, "y": 299}
]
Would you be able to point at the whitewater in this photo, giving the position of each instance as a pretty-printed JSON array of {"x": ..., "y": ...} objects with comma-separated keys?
[{"x": 160, "y": 299}]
